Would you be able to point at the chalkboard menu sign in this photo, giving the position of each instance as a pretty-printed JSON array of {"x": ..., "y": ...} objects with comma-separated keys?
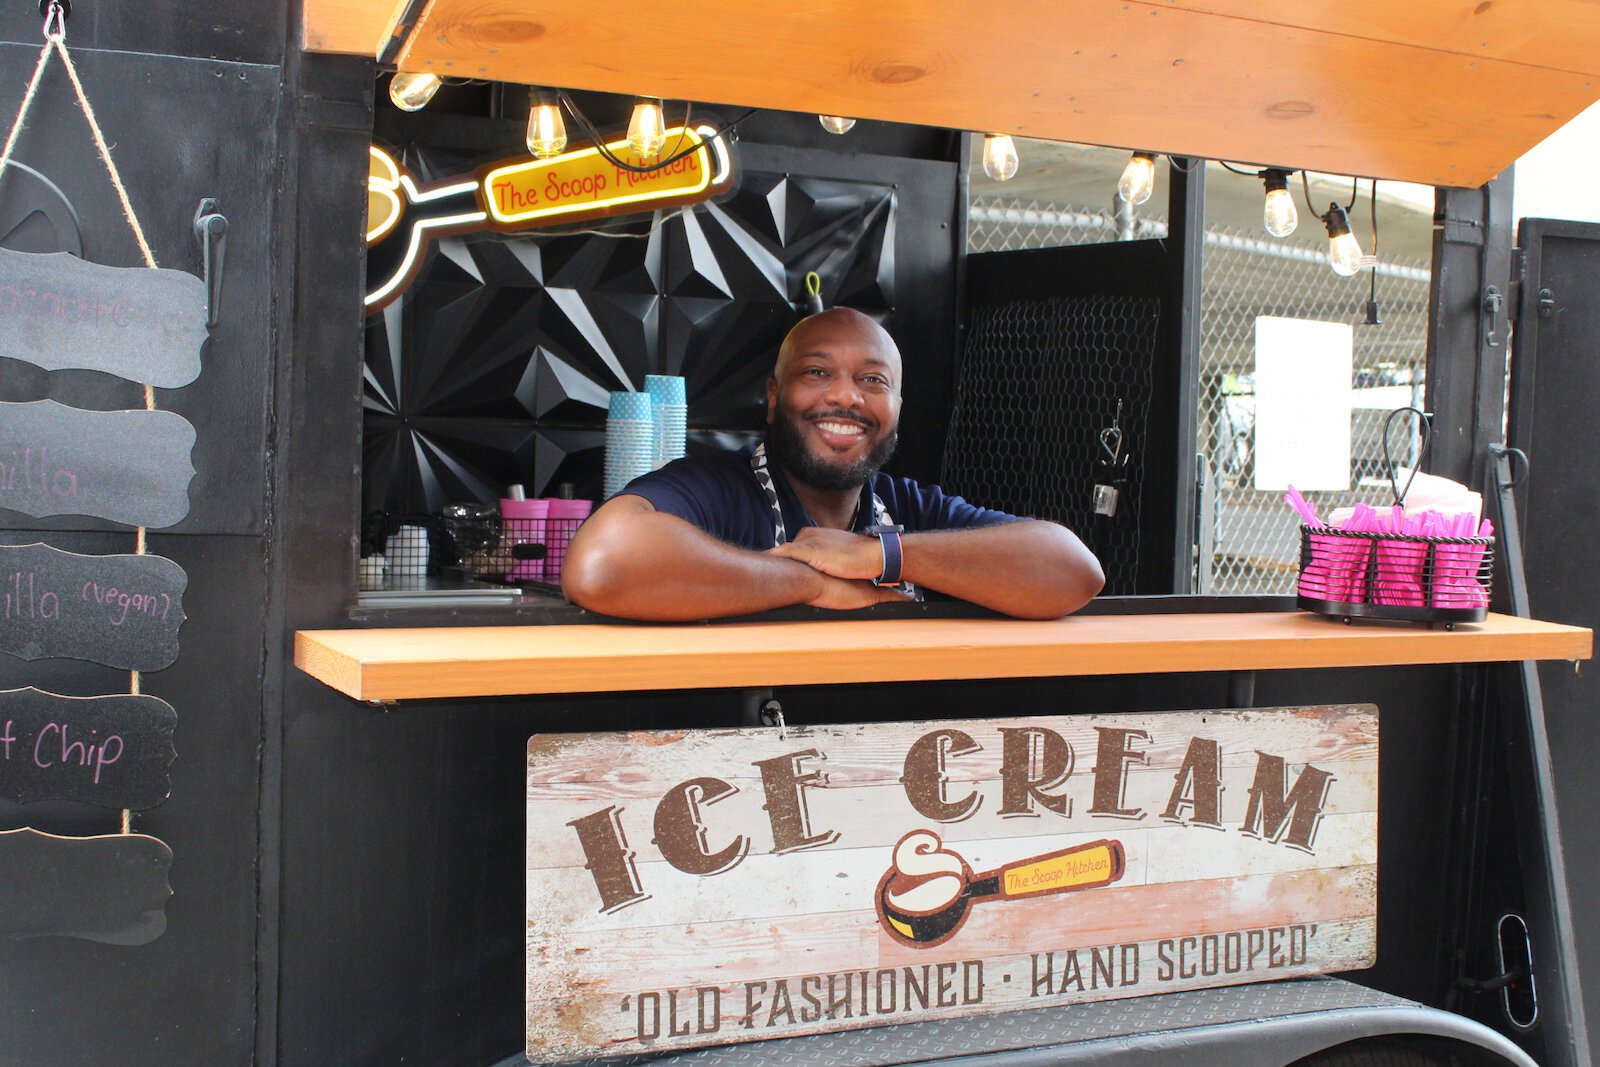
[
  {"x": 122, "y": 611},
  {"x": 112, "y": 889},
  {"x": 60, "y": 312},
  {"x": 108, "y": 750},
  {"x": 133, "y": 468},
  {"x": 127, "y": 466}
]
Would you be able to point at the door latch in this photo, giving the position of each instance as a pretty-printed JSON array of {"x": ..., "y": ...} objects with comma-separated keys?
[
  {"x": 211, "y": 231},
  {"x": 1547, "y": 303},
  {"x": 1494, "y": 303}
]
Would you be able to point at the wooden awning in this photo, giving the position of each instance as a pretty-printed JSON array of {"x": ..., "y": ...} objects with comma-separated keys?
[{"x": 1445, "y": 92}]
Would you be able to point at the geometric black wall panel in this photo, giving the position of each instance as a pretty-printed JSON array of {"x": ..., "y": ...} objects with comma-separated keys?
[{"x": 495, "y": 365}]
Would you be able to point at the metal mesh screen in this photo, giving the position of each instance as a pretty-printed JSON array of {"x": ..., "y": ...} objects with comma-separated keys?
[
  {"x": 1248, "y": 538},
  {"x": 1039, "y": 381},
  {"x": 1253, "y": 536}
]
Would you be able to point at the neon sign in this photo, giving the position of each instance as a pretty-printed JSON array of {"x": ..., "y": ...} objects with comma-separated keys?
[{"x": 521, "y": 194}]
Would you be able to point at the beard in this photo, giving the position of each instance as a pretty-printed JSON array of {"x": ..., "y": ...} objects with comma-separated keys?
[{"x": 788, "y": 448}]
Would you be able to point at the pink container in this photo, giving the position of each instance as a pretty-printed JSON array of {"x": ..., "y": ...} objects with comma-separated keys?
[
  {"x": 1337, "y": 570},
  {"x": 1399, "y": 577},
  {"x": 523, "y": 523},
  {"x": 1455, "y": 576},
  {"x": 565, "y": 516}
]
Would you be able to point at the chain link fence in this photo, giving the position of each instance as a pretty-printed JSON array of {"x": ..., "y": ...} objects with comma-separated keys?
[{"x": 1248, "y": 538}]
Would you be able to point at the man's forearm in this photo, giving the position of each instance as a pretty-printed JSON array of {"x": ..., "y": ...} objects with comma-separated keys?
[
  {"x": 641, "y": 564},
  {"x": 1030, "y": 569}
]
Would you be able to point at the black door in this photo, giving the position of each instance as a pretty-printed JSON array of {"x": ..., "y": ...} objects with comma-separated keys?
[
  {"x": 1061, "y": 346},
  {"x": 1555, "y": 387}
]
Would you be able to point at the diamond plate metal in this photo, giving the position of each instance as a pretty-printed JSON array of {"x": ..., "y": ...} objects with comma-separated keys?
[{"x": 1075, "y": 1023}]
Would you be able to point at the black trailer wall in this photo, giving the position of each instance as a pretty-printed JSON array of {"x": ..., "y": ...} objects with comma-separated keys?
[
  {"x": 190, "y": 100},
  {"x": 347, "y": 880}
]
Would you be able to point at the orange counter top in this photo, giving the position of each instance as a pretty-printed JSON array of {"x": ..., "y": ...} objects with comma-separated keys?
[{"x": 426, "y": 663}]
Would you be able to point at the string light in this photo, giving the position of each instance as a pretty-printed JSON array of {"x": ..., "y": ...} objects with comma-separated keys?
[
  {"x": 1000, "y": 157},
  {"x": 647, "y": 128},
  {"x": 836, "y": 123},
  {"x": 1344, "y": 251},
  {"x": 547, "y": 131},
  {"x": 1138, "y": 179},
  {"x": 1278, "y": 214},
  {"x": 411, "y": 92}
]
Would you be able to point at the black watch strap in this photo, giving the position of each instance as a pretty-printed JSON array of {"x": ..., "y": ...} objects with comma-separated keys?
[{"x": 893, "y": 557}]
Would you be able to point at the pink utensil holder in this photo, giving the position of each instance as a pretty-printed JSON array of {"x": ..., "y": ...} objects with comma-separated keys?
[{"x": 1369, "y": 574}]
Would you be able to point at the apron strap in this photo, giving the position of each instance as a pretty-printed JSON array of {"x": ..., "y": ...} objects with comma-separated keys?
[{"x": 780, "y": 535}]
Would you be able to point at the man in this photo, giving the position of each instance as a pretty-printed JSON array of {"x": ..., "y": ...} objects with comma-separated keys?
[{"x": 805, "y": 518}]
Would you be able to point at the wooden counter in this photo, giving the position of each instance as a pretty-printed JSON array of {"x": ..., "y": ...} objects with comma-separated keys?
[{"x": 408, "y": 664}]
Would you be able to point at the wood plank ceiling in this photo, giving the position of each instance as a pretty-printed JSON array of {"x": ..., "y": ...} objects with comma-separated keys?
[{"x": 1445, "y": 92}]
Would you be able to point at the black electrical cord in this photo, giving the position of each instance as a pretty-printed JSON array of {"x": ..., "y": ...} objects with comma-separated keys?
[
  {"x": 1305, "y": 186},
  {"x": 1372, "y": 290},
  {"x": 595, "y": 138},
  {"x": 1373, "y": 200}
]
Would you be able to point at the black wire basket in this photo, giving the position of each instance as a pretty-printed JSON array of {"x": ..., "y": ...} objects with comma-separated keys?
[
  {"x": 481, "y": 546},
  {"x": 1358, "y": 575}
]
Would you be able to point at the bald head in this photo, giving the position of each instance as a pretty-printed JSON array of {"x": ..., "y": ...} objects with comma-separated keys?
[
  {"x": 840, "y": 326},
  {"x": 833, "y": 401}
]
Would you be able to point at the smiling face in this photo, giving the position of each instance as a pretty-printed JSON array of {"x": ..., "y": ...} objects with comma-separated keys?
[{"x": 833, "y": 402}]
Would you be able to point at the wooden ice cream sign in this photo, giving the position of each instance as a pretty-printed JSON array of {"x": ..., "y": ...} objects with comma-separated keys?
[{"x": 710, "y": 887}]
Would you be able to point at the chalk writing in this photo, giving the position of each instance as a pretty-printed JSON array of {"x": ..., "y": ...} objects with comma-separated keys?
[
  {"x": 119, "y": 603},
  {"x": 56, "y": 304},
  {"x": 28, "y": 470},
  {"x": 123, "y": 611},
  {"x": 109, "y": 750},
  {"x": 131, "y": 467},
  {"x": 60, "y": 312},
  {"x": 24, "y": 599}
]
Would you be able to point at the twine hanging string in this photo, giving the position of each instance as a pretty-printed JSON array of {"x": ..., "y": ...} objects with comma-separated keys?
[{"x": 55, "y": 41}]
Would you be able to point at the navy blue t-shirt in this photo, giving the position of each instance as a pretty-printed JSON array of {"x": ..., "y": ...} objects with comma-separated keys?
[{"x": 718, "y": 492}]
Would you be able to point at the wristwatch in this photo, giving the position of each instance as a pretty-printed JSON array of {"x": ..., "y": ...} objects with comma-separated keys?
[{"x": 889, "y": 541}]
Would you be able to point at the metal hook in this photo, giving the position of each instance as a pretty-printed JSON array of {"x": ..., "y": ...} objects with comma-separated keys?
[
  {"x": 772, "y": 715},
  {"x": 1111, "y": 437},
  {"x": 1111, "y": 444},
  {"x": 56, "y": 12}
]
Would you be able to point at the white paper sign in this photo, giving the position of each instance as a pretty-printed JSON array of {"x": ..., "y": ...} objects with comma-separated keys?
[{"x": 1303, "y": 370}]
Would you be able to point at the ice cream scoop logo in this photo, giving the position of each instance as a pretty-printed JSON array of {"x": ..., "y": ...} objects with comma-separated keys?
[{"x": 924, "y": 897}]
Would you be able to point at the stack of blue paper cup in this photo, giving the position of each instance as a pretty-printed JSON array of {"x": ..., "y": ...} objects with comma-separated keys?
[
  {"x": 631, "y": 440},
  {"x": 670, "y": 404}
]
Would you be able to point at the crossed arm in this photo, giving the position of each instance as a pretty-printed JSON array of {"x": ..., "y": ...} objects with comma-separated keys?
[{"x": 632, "y": 561}]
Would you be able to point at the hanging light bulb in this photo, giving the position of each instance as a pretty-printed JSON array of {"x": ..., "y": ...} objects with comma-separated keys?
[
  {"x": 1278, "y": 214},
  {"x": 1138, "y": 179},
  {"x": 647, "y": 129},
  {"x": 411, "y": 92},
  {"x": 1344, "y": 251},
  {"x": 547, "y": 131},
  {"x": 1000, "y": 157},
  {"x": 836, "y": 123}
]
